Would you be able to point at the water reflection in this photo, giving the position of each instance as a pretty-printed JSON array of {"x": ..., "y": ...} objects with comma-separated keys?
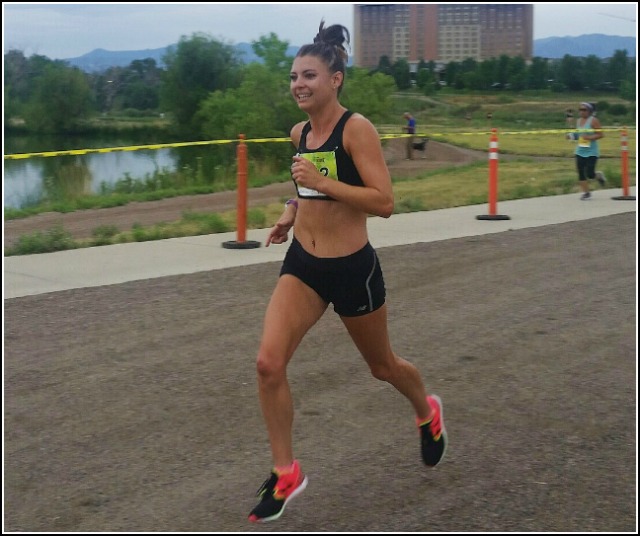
[
  {"x": 66, "y": 177},
  {"x": 27, "y": 181}
]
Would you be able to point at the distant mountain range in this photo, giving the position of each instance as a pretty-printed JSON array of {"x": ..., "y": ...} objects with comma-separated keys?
[
  {"x": 100, "y": 59},
  {"x": 602, "y": 46}
]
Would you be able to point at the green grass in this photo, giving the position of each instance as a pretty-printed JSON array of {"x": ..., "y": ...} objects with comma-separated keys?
[
  {"x": 550, "y": 142},
  {"x": 510, "y": 111}
]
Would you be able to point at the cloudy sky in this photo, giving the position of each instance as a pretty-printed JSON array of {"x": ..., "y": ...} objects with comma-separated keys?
[{"x": 61, "y": 31}]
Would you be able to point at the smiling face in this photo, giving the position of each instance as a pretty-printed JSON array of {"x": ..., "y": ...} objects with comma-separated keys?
[{"x": 311, "y": 83}]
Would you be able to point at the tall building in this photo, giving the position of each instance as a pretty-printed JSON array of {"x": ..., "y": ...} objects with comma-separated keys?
[{"x": 441, "y": 32}]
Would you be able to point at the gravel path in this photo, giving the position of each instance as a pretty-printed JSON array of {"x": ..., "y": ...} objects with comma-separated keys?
[{"x": 133, "y": 407}]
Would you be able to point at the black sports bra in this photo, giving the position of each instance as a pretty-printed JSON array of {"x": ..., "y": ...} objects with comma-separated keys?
[{"x": 330, "y": 159}]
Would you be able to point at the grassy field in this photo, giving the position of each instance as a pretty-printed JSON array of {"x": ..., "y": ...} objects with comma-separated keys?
[{"x": 527, "y": 110}]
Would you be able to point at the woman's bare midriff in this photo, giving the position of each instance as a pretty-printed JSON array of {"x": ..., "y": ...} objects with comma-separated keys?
[{"x": 329, "y": 228}]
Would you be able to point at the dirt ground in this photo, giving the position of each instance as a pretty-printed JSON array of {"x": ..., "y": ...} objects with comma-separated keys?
[
  {"x": 133, "y": 407},
  {"x": 80, "y": 224}
]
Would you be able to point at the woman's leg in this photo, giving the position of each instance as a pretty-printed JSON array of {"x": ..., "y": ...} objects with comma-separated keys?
[
  {"x": 293, "y": 309},
  {"x": 370, "y": 335},
  {"x": 590, "y": 167},
  {"x": 369, "y": 332},
  {"x": 581, "y": 165}
]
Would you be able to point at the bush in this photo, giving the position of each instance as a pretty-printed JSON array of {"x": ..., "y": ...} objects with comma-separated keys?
[
  {"x": 105, "y": 231},
  {"x": 256, "y": 218},
  {"x": 618, "y": 109},
  {"x": 55, "y": 239}
]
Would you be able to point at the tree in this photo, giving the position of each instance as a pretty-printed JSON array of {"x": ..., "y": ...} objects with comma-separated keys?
[
  {"x": 628, "y": 90},
  {"x": 16, "y": 83},
  {"x": 593, "y": 72},
  {"x": 502, "y": 70},
  {"x": 140, "y": 88},
  {"x": 451, "y": 73},
  {"x": 260, "y": 107},
  {"x": 61, "y": 100},
  {"x": 517, "y": 73},
  {"x": 194, "y": 68},
  {"x": 473, "y": 80},
  {"x": 469, "y": 65},
  {"x": 368, "y": 94},
  {"x": 272, "y": 51},
  {"x": 402, "y": 74},
  {"x": 488, "y": 72},
  {"x": 136, "y": 86},
  {"x": 537, "y": 73},
  {"x": 384, "y": 66},
  {"x": 618, "y": 68},
  {"x": 571, "y": 72},
  {"x": 468, "y": 77},
  {"x": 20, "y": 76},
  {"x": 140, "y": 95},
  {"x": 426, "y": 81}
]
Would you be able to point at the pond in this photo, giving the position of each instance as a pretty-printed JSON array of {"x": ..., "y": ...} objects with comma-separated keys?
[{"x": 27, "y": 181}]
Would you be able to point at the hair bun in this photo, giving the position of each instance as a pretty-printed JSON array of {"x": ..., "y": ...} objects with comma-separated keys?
[{"x": 335, "y": 35}]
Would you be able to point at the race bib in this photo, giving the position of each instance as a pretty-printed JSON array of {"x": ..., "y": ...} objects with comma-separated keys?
[
  {"x": 583, "y": 142},
  {"x": 326, "y": 164}
]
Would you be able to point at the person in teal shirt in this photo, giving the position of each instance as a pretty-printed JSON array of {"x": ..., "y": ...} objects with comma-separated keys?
[{"x": 588, "y": 132}]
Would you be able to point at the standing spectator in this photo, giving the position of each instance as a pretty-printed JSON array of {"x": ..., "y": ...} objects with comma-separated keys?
[
  {"x": 568, "y": 117},
  {"x": 410, "y": 128}
]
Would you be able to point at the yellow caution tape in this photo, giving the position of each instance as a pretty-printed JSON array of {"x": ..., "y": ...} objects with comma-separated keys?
[{"x": 154, "y": 146}]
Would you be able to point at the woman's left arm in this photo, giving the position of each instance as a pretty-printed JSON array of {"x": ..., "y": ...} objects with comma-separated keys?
[
  {"x": 362, "y": 143},
  {"x": 595, "y": 124}
]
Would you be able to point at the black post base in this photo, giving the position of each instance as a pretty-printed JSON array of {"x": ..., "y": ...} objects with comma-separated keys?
[
  {"x": 495, "y": 217},
  {"x": 247, "y": 244}
]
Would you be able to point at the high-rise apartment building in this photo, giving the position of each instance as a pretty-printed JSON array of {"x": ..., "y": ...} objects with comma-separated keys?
[{"x": 441, "y": 32}]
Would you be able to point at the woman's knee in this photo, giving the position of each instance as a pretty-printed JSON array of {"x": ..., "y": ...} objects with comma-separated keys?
[
  {"x": 384, "y": 370},
  {"x": 270, "y": 366}
]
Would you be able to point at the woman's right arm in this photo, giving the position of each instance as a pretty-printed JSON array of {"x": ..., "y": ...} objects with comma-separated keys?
[
  {"x": 296, "y": 133},
  {"x": 279, "y": 233}
]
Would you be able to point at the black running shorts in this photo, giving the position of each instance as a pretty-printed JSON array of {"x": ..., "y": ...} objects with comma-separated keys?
[{"x": 354, "y": 284}]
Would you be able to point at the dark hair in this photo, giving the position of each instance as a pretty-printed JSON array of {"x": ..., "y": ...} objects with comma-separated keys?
[{"x": 329, "y": 45}]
